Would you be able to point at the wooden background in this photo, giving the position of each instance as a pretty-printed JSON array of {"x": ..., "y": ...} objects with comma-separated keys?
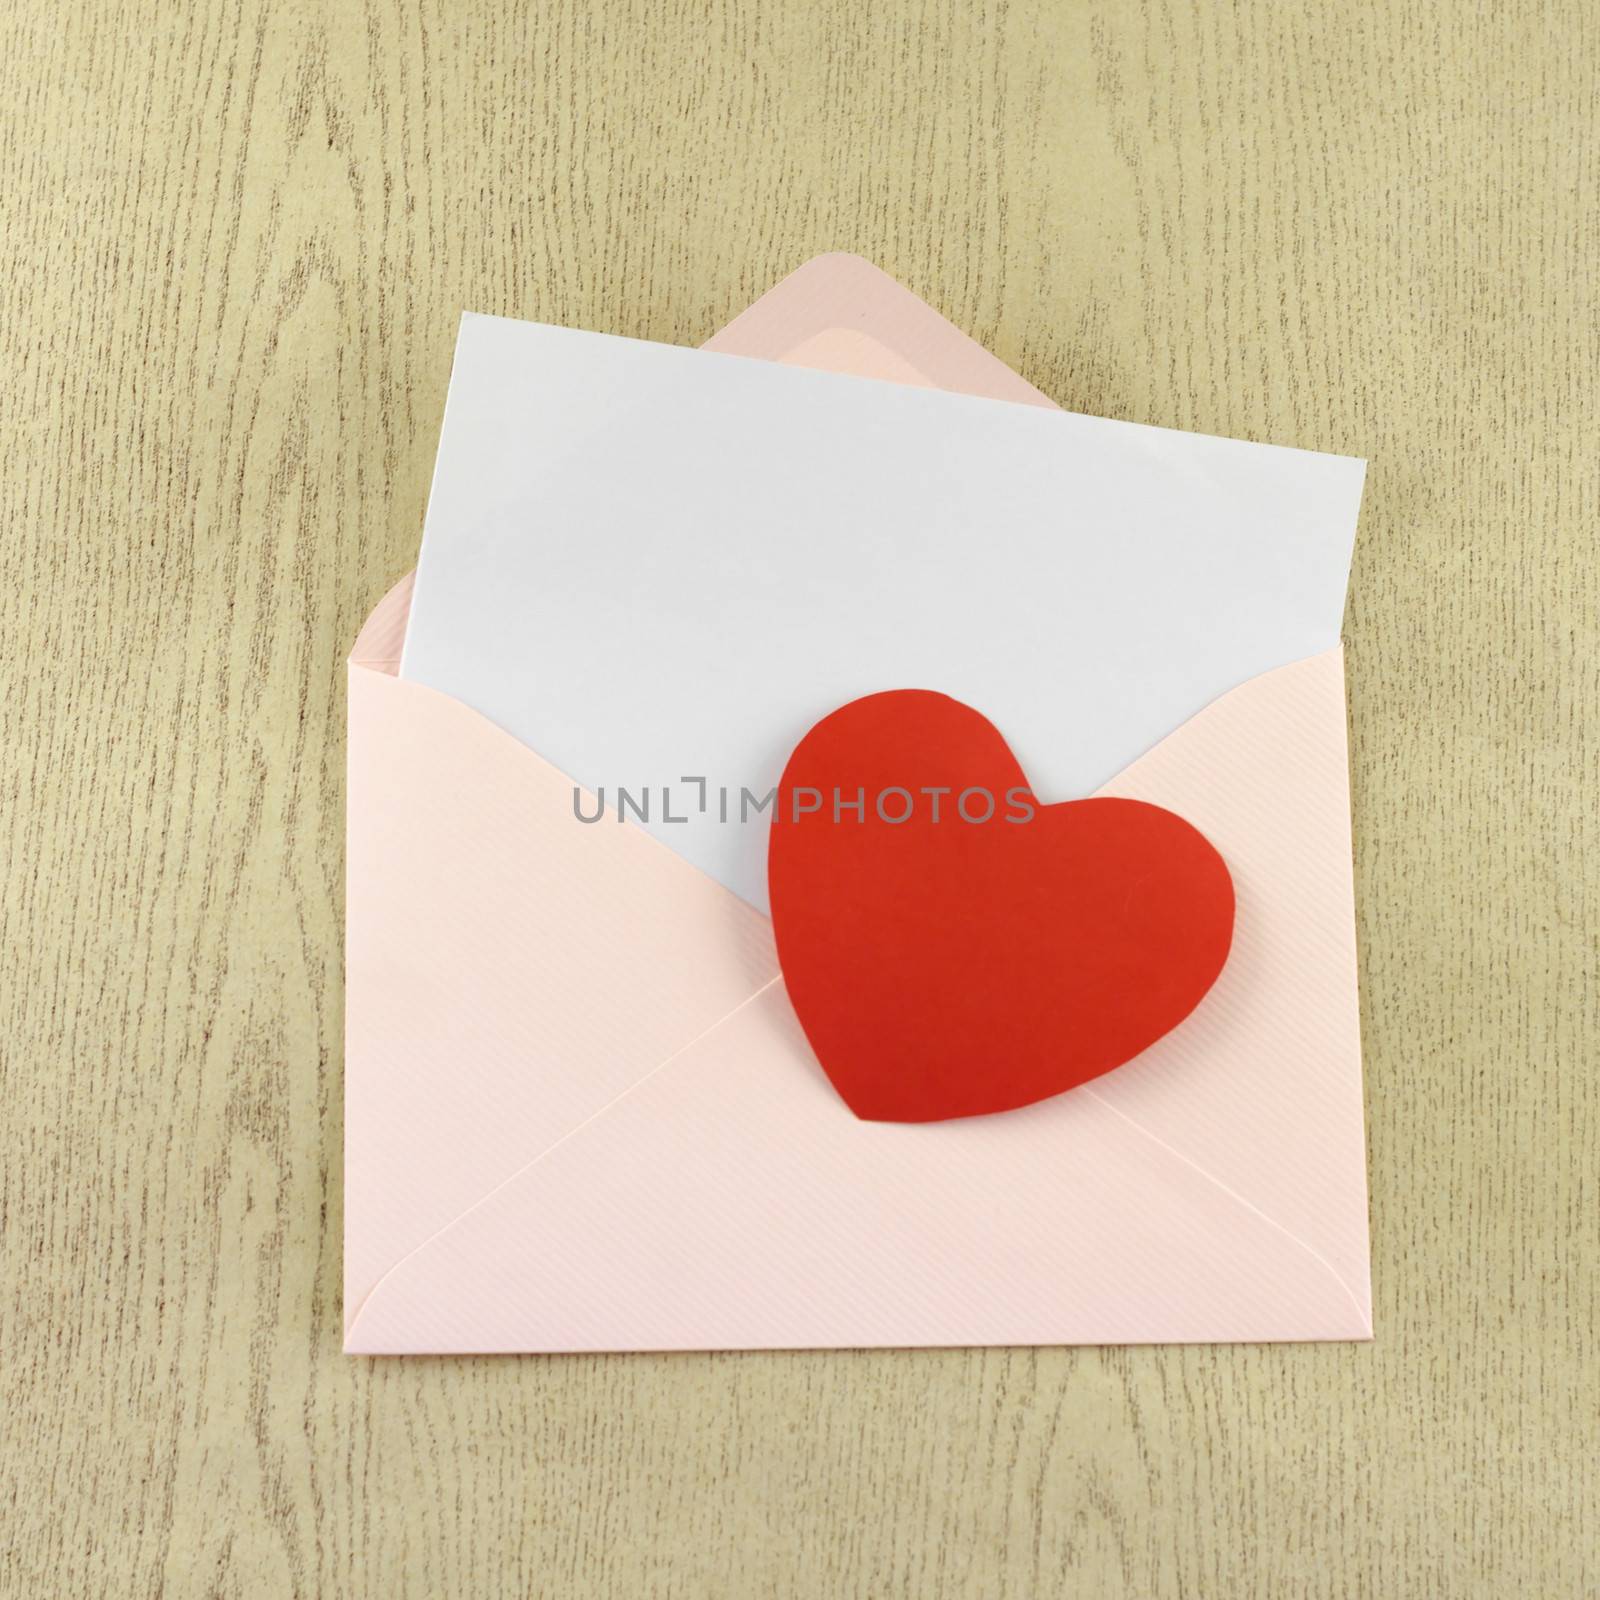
[{"x": 236, "y": 237}]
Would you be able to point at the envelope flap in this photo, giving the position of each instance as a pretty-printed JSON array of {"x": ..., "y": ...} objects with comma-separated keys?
[
  {"x": 383, "y": 634},
  {"x": 839, "y": 313}
]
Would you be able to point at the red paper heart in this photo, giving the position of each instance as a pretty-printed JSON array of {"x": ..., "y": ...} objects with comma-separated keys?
[{"x": 953, "y": 967}]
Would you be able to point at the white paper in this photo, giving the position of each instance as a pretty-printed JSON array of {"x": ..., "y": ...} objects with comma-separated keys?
[{"x": 654, "y": 564}]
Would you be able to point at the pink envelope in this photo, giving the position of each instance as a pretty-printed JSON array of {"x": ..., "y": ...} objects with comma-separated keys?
[{"x": 580, "y": 1114}]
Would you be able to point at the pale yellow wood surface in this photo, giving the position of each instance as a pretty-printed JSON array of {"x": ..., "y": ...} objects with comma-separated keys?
[{"x": 236, "y": 237}]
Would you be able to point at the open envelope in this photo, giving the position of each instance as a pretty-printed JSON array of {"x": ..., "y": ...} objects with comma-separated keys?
[{"x": 581, "y": 1115}]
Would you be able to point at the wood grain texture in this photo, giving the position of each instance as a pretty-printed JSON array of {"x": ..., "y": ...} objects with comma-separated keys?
[{"x": 236, "y": 237}]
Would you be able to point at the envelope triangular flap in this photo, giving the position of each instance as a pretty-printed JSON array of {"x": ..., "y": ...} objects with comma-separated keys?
[{"x": 840, "y": 313}]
